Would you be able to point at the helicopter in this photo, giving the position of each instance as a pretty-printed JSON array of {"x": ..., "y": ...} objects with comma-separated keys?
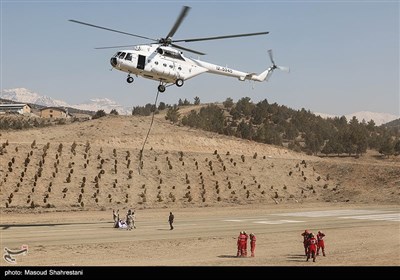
[{"x": 163, "y": 60}]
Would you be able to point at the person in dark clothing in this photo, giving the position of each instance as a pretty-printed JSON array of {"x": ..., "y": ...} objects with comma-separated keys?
[{"x": 171, "y": 220}]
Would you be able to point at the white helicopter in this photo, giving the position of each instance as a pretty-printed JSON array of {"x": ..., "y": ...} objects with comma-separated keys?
[{"x": 162, "y": 61}]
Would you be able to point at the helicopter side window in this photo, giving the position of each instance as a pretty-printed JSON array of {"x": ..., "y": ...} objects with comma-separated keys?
[
  {"x": 122, "y": 55},
  {"x": 128, "y": 57}
]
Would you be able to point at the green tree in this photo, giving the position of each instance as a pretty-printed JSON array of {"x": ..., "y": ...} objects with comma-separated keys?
[
  {"x": 161, "y": 106},
  {"x": 197, "y": 100},
  {"x": 173, "y": 114},
  {"x": 244, "y": 106},
  {"x": 228, "y": 103},
  {"x": 114, "y": 112},
  {"x": 268, "y": 134},
  {"x": 291, "y": 132},
  {"x": 313, "y": 143},
  {"x": 245, "y": 130},
  {"x": 397, "y": 147},
  {"x": 99, "y": 114},
  {"x": 387, "y": 146},
  {"x": 260, "y": 112}
]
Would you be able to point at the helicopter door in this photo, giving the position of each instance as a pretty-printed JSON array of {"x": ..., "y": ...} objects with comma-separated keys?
[{"x": 141, "y": 62}]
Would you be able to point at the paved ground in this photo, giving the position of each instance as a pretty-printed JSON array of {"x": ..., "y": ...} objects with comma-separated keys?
[{"x": 357, "y": 235}]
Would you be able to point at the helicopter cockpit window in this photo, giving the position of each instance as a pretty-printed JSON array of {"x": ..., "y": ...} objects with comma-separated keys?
[
  {"x": 117, "y": 54},
  {"x": 128, "y": 56},
  {"x": 122, "y": 55}
]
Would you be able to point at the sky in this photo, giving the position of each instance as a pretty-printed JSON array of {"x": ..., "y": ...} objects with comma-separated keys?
[{"x": 343, "y": 55}]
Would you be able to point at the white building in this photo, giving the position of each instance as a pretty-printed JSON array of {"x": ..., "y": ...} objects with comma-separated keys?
[{"x": 15, "y": 108}]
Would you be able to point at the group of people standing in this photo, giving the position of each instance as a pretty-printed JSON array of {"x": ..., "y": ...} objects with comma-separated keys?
[
  {"x": 128, "y": 224},
  {"x": 242, "y": 244},
  {"x": 313, "y": 244}
]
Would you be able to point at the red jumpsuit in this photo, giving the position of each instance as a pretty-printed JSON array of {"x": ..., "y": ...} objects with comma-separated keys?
[
  {"x": 321, "y": 244},
  {"x": 305, "y": 235},
  {"x": 312, "y": 248},
  {"x": 241, "y": 243},
  {"x": 252, "y": 244},
  {"x": 244, "y": 245}
]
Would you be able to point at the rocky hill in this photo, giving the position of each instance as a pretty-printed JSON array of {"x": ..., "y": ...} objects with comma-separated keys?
[{"x": 97, "y": 165}]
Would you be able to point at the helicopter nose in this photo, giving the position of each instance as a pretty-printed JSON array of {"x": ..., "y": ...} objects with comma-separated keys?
[{"x": 113, "y": 61}]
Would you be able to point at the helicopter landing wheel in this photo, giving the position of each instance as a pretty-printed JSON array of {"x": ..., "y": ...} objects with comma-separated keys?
[
  {"x": 129, "y": 79},
  {"x": 161, "y": 88},
  {"x": 179, "y": 82}
]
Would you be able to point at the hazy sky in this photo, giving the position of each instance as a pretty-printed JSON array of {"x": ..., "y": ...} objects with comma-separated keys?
[{"x": 343, "y": 55}]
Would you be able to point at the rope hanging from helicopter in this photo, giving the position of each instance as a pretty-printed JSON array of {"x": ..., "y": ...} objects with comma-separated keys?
[{"x": 140, "y": 166}]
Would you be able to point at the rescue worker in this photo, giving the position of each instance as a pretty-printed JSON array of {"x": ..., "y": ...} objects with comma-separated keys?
[
  {"x": 244, "y": 244},
  {"x": 171, "y": 220},
  {"x": 305, "y": 235},
  {"x": 116, "y": 216},
  {"x": 239, "y": 245},
  {"x": 129, "y": 220},
  {"x": 320, "y": 244},
  {"x": 252, "y": 244},
  {"x": 312, "y": 247}
]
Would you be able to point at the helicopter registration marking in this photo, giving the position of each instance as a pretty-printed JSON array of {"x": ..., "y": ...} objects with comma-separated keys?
[{"x": 223, "y": 69}]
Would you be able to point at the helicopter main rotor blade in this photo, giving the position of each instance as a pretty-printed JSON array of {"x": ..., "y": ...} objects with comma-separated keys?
[
  {"x": 178, "y": 22},
  {"x": 109, "y": 29},
  {"x": 221, "y": 37},
  {"x": 188, "y": 50},
  {"x": 114, "y": 47}
]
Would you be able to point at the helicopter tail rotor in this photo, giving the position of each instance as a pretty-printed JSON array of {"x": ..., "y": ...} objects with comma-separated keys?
[
  {"x": 274, "y": 66},
  {"x": 264, "y": 76}
]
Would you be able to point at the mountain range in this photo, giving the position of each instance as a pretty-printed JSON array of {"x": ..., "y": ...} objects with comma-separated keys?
[
  {"x": 24, "y": 95},
  {"x": 378, "y": 118}
]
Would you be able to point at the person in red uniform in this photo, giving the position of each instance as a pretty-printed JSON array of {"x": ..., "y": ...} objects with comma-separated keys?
[
  {"x": 244, "y": 244},
  {"x": 320, "y": 244},
  {"x": 312, "y": 247},
  {"x": 239, "y": 248},
  {"x": 241, "y": 244},
  {"x": 305, "y": 235},
  {"x": 252, "y": 243}
]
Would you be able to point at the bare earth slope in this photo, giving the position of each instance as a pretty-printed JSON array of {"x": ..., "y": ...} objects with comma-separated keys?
[{"x": 180, "y": 166}]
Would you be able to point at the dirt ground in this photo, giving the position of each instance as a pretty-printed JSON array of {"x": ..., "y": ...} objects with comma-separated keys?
[{"x": 200, "y": 238}]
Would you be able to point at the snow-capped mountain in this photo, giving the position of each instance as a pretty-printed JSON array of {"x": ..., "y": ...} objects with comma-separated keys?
[
  {"x": 24, "y": 95},
  {"x": 103, "y": 104},
  {"x": 378, "y": 118}
]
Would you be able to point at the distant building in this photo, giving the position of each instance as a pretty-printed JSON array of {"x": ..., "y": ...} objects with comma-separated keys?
[
  {"x": 15, "y": 108},
  {"x": 54, "y": 113}
]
